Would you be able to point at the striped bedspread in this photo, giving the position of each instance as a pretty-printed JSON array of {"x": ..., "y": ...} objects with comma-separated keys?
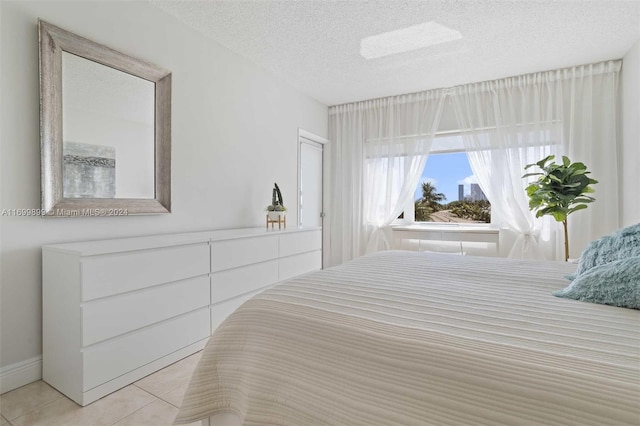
[{"x": 407, "y": 338}]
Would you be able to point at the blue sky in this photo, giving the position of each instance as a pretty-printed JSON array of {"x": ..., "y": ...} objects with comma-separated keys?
[{"x": 446, "y": 171}]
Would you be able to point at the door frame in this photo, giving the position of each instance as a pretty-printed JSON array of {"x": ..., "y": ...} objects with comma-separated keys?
[{"x": 306, "y": 136}]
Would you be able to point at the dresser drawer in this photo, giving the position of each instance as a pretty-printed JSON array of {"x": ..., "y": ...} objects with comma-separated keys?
[
  {"x": 118, "y": 273},
  {"x": 300, "y": 242},
  {"x": 238, "y": 281},
  {"x": 229, "y": 254},
  {"x": 111, "y": 359},
  {"x": 300, "y": 264},
  {"x": 106, "y": 318}
]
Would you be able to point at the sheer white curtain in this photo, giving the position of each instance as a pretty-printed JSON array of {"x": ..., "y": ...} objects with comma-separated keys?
[
  {"x": 506, "y": 124},
  {"x": 590, "y": 134},
  {"x": 378, "y": 151}
]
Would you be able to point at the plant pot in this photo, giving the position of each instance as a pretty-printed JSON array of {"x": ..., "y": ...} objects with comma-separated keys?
[{"x": 274, "y": 215}]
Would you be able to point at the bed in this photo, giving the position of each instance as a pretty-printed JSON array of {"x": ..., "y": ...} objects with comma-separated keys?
[{"x": 408, "y": 338}]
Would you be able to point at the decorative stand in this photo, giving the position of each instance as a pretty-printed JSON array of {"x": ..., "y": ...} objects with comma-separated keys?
[{"x": 281, "y": 221}]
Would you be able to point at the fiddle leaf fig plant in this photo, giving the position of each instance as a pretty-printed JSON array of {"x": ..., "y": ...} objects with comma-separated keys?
[{"x": 559, "y": 191}]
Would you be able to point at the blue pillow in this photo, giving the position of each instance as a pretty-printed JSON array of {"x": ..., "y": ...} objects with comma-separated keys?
[
  {"x": 615, "y": 283},
  {"x": 622, "y": 244}
]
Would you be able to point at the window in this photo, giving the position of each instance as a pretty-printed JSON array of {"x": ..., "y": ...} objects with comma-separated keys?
[
  {"x": 448, "y": 191},
  {"x": 448, "y": 173}
]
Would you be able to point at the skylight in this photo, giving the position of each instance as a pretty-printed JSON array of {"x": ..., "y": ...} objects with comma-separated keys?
[{"x": 407, "y": 39}]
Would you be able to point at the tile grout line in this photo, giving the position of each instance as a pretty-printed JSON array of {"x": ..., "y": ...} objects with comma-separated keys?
[
  {"x": 60, "y": 396},
  {"x": 170, "y": 403},
  {"x": 145, "y": 405},
  {"x": 146, "y": 391},
  {"x": 46, "y": 404},
  {"x": 160, "y": 398}
]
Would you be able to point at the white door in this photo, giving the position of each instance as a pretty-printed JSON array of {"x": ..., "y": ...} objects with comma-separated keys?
[{"x": 310, "y": 183}]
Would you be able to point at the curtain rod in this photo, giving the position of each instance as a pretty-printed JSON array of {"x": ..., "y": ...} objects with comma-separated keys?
[
  {"x": 458, "y": 132},
  {"x": 610, "y": 66}
]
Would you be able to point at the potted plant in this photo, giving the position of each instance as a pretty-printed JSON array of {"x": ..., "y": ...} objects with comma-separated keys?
[
  {"x": 276, "y": 209},
  {"x": 559, "y": 191}
]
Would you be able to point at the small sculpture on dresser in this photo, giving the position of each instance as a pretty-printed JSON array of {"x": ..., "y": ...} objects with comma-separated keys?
[{"x": 276, "y": 211}]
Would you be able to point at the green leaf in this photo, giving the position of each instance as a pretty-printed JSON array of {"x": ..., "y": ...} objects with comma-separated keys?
[
  {"x": 579, "y": 167},
  {"x": 542, "y": 162},
  {"x": 584, "y": 199},
  {"x": 579, "y": 172},
  {"x": 549, "y": 209},
  {"x": 531, "y": 189},
  {"x": 565, "y": 197},
  {"x": 576, "y": 208},
  {"x": 532, "y": 174},
  {"x": 565, "y": 161}
]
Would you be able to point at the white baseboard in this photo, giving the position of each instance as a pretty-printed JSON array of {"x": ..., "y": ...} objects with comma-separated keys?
[{"x": 21, "y": 373}]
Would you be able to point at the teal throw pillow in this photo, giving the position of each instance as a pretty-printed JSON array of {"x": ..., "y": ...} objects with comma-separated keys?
[
  {"x": 615, "y": 283},
  {"x": 622, "y": 244}
]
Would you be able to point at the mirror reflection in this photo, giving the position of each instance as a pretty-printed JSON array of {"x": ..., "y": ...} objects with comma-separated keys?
[{"x": 108, "y": 131}]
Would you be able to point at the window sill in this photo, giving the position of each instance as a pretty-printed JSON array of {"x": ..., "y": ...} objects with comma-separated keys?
[
  {"x": 467, "y": 232},
  {"x": 482, "y": 228}
]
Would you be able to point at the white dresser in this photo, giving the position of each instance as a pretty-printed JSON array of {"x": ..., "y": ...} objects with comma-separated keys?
[
  {"x": 246, "y": 264},
  {"x": 117, "y": 310}
]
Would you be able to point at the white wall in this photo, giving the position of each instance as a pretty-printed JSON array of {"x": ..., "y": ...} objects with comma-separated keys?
[
  {"x": 630, "y": 153},
  {"x": 234, "y": 134}
]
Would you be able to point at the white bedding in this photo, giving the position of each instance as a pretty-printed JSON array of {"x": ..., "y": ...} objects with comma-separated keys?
[{"x": 407, "y": 338}]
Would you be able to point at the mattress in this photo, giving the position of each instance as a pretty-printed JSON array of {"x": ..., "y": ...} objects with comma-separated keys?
[{"x": 408, "y": 338}]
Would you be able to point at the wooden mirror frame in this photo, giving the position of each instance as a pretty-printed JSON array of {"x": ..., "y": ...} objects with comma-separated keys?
[{"x": 53, "y": 41}]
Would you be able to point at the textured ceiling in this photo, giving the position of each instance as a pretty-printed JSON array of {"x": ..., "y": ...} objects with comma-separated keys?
[{"x": 314, "y": 45}]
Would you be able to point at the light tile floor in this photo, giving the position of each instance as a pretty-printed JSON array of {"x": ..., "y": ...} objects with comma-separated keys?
[{"x": 151, "y": 401}]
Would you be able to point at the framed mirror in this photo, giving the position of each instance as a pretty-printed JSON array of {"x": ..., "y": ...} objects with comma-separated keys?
[{"x": 105, "y": 127}]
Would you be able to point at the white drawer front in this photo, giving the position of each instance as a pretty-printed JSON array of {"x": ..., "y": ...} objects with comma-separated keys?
[
  {"x": 221, "y": 311},
  {"x": 243, "y": 251},
  {"x": 300, "y": 264},
  {"x": 109, "y": 360},
  {"x": 107, "y": 318},
  {"x": 119, "y": 273},
  {"x": 234, "y": 282},
  {"x": 300, "y": 242}
]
